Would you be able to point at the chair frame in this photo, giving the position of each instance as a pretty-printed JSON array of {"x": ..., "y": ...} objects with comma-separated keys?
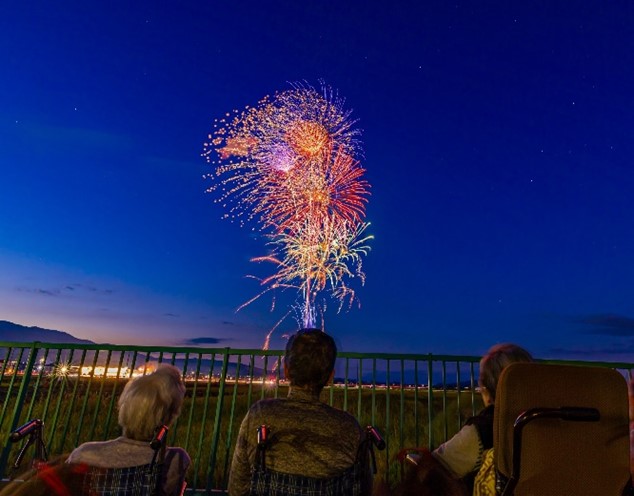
[{"x": 576, "y": 414}]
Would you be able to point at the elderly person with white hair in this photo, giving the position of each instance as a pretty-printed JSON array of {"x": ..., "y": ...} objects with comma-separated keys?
[{"x": 146, "y": 402}]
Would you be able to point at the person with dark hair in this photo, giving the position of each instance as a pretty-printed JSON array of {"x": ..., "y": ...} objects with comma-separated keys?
[
  {"x": 308, "y": 438},
  {"x": 464, "y": 453}
]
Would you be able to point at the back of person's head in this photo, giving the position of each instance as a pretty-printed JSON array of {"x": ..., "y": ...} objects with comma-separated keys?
[
  {"x": 310, "y": 359},
  {"x": 496, "y": 360},
  {"x": 149, "y": 401}
]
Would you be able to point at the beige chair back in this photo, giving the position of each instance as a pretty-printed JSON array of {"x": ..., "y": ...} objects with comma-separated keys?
[{"x": 563, "y": 457}]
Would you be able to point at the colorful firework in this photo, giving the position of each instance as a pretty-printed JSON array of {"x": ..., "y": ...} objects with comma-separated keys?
[{"x": 291, "y": 165}]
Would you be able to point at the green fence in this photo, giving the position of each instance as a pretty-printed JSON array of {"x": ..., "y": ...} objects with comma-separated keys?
[{"x": 414, "y": 400}]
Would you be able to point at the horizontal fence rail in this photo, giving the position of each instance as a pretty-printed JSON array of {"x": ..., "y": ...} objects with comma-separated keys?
[{"x": 414, "y": 400}]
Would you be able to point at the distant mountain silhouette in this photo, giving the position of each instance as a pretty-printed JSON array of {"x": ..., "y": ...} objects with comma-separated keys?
[
  {"x": 22, "y": 334},
  {"x": 16, "y": 333}
]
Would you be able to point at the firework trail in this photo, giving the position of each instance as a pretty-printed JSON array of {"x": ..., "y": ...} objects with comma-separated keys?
[{"x": 291, "y": 165}]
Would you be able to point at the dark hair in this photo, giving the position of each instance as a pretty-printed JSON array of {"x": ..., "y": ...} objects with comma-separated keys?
[
  {"x": 310, "y": 359},
  {"x": 495, "y": 360}
]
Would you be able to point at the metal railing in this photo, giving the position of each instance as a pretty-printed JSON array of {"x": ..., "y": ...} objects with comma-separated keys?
[{"x": 414, "y": 400}]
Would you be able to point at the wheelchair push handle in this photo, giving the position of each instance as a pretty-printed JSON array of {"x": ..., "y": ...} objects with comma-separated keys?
[
  {"x": 160, "y": 436},
  {"x": 33, "y": 429},
  {"x": 263, "y": 435},
  {"x": 580, "y": 414},
  {"x": 26, "y": 429},
  {"x": 375, "y": 436}
]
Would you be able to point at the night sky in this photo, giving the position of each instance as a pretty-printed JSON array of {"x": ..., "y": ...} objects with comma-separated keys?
[{"x": 498, "y": 138}]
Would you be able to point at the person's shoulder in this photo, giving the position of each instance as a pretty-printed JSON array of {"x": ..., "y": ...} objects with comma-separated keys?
[
  {"x": 85, "y": 451},
  {"x": 264, "y": 409},
  {"x": 341, "y": 415},
  {"x": 484, "y": 418},
  {"x": 335, "y": 411},
  {"x": 95, "y": 445},
  {"x": 465, "y": 438},
  {"x": 267, "y": 404}
]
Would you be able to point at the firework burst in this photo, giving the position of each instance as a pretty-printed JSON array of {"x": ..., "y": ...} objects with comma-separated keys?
[{"x": 291, "y": 165}]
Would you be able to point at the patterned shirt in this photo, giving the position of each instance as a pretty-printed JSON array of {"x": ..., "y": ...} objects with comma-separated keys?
[{"x": 307, "y": 437}]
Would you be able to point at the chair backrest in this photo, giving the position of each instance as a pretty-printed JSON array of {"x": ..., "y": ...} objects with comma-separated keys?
[
  {"x": 350, "y": 482},
  {"x": 141, "y": 480},
  {"x": 266, "y": 482},
  {"x": 573, "y": 437}
]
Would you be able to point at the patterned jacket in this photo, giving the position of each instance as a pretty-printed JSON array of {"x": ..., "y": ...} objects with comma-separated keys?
[{"x": 307, "y": 437}]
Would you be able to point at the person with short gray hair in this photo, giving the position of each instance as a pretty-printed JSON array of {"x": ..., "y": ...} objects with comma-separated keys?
[{"x": 146, "y": 403}]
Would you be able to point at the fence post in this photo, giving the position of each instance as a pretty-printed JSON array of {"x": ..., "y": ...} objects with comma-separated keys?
[
  {"x": 19, "y": 402},
  {"x": 216, "y": 433},
  {"x": 430, "y": 400}
]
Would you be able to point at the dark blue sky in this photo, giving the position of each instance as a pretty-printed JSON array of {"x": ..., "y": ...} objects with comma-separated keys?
[{"x": 498, "y": 137}]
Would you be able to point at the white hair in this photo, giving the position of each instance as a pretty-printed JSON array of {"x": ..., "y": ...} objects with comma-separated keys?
[{"x": 149, "y": 401}]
